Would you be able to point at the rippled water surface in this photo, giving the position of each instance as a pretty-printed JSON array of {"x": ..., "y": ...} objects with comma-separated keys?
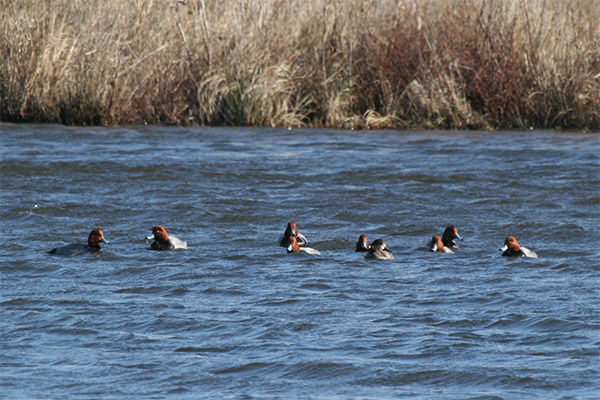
[{"x": 234, "y": 316}]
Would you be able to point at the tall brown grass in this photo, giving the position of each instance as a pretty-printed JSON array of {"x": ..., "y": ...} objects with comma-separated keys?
[{"x": 449, "y": 64}]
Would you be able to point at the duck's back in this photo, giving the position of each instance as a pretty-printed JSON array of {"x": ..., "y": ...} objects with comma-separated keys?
[
  {"x": 310, "y": 250},
  {"x": 71, "y": 249},
  {"x": 178, "y": 244},
  {"x": 522, "y": 252},
  {"x": 172, "y": 243},
  {"x": 300, "y": 238},
  {"x": 379, "y": 255}
]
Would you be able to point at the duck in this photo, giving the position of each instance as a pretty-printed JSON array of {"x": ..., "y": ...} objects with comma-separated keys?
[
  {"x": 437, "y": 244},
  {"x": 449, "y": 235},
  {"x": 162, "y": 240},
  {"x": 293, "y": 247},
  {"x": 362, "y": 244},
  {"x": 512, "y": 248},
  {"x": 379, "y": 251},
  {"x": 93, "y": 244},
  {"x": 291, "y": 230}
]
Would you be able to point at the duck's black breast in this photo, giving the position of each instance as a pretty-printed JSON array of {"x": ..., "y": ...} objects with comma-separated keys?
[
  {"x": 512, "y": 253},
  {"x": 157, "y": 245}
]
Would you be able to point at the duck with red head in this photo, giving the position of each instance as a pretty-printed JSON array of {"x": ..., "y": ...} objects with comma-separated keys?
[
  {"x": 291, "y": 230},
  {"x": 379, "y": 251},
  {"x": 293, "y": 247},
  {"x": 162, "y": 240},
  {"x": 449, "y": 235},
  {"x": 437, "y": 245},
  {"x": 93, "y": 244},
  {"x": 512, "y": 248},
  {"x": 362, "y": 244}
]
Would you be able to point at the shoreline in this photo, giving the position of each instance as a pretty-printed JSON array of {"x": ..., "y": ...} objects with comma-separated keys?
[{"x": 299, "y": 129}]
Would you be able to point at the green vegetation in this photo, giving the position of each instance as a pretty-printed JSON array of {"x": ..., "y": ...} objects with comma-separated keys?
[{"x": 419, "y": 64}]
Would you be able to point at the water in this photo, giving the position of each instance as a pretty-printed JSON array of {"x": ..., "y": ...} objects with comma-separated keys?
[{"x": 234, "y": 316}]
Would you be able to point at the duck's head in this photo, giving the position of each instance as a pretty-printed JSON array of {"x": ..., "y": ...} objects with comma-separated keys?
[
  {"x": 363, "y": 243},
  {"x": 510, "y": 243},
  {"x": 159, "y": 233},
  {"x": 436, "y": 243},
  {"x": 450, "y": 233},
  {"x": 291, "y": 230},
  {"x": 95, "y": 237}
]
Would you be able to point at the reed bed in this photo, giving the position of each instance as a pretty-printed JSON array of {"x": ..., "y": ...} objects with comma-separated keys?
[{"x": 418, "y": 64}]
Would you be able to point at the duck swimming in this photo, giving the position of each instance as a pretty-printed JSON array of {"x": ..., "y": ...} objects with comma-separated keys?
[
  {"x": 379, "y": 251},
  {"x": 362, "y": 244},
  {"x": 162, "y": 240},
  {"x": 291, "y": 230},
  {"x": 449, "y": 235},
  {"x": 94, "y": 238},
  {"x": 512, "y": 248},
  {"x": 438, "y": 245},
  {"x": 293, "y": 247}
]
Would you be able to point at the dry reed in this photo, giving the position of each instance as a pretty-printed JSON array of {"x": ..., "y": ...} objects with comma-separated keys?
[{"x": 445, "y": 64}]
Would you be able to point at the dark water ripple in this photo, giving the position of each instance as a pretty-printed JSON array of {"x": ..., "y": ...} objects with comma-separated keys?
[{"x": 233, "y": 316}]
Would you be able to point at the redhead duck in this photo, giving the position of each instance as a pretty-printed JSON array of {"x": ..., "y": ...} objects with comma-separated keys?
[
  {"x": 162, "y": 240},
  {"x": 291, "y": 230},
  {"x": 449, "y": 235},
  {"x": 94, "y": 238},
  {"x": 293, "y": 247},
  {"x": 379, "y": 251},
  {"x": 437, "y": 244},
  {"x": 362, "y": 244},
  {"x": 512, "y": 248}
]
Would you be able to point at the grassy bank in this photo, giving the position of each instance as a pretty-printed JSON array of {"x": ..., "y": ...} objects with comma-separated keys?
[{"x": 447, "y": 64}]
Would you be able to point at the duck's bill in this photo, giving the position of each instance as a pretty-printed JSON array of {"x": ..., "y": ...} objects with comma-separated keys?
[
  {"x": 458, "y": 236},
  {"x": 434, "y": 247},
  {"x": 149, "y": 238},
  {"x": 104, "y": 241},
  {"x": 290, "y": 248},
  {"x": 503, "y": 248}
]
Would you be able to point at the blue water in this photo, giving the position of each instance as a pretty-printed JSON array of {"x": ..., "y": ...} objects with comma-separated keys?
[{"x": 234, "y": 316}]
